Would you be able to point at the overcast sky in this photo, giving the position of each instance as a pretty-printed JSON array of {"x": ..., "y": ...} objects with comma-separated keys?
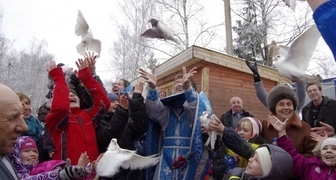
[{"x": 54, "y": 21}]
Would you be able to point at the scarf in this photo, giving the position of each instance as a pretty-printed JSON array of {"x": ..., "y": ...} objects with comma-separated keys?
[{"x": 35, "y": 128}]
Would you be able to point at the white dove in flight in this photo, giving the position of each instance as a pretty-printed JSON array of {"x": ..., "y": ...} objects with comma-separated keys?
[
  {"x": 295, "y": 63},
  {"x": 205, "y": 120},
  {"x": 116, "y": 157},
  {"x": 291, "y": 3},
  {"x": 87, "y": 42},
  {"x": 159, "y": 31}
]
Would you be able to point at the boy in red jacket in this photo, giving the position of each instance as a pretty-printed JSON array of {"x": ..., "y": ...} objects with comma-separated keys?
[{"x": 72, "y": 129}]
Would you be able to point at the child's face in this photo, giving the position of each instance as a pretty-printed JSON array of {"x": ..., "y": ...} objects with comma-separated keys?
[
  {"x": 245, "y": 130},
  {"x": 328, "y": 155},
  {"x": 253, "y": 167},
  {"x": 29, "y": 156}
]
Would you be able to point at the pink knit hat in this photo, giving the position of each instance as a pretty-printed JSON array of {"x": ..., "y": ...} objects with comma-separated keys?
[
  {"x": 256, "y": 126},
  {"x": 29, "y": 143}
]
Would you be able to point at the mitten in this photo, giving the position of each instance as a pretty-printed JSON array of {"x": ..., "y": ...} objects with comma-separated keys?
[{"x": 73, "y": 172}]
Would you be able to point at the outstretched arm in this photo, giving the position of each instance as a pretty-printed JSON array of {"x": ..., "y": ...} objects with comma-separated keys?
[
  {"x": 231, "y": 139},
  {"x": 258, "y": 85},
  {"x": 60, "y": 103}
]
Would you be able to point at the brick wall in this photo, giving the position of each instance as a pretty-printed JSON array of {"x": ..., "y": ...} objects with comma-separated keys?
[{"x": 224, "y": 83}]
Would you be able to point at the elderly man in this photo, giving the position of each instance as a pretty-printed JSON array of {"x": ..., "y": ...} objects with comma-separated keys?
[
  {"x": 231, "y": 117},
  {"x": 11, "y": 126}
]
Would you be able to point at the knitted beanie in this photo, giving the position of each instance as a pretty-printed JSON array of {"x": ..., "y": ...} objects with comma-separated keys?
[
  {"x": 256, "y": 126},
  {"x": 278, "y": 93},
  {"x": 29, "y": 143},
  {"x": 264, "y": 159}
]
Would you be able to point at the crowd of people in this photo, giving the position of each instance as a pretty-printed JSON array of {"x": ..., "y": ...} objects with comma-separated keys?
[{"x": 80, "y": 119}]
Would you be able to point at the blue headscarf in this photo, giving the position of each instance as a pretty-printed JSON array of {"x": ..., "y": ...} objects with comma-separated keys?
[{"x": 35, "y": 128}]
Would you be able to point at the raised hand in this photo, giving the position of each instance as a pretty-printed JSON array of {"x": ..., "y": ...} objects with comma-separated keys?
[
  {"x": 150, "y": 78},
  {"x": 123, "y": 102},
  {"x": 253, "y": 66},
  {"x": 316, "y": 137},
  {"x": 138, "y": 88},
  {"x": 186, "y": 77},
  {"x": 91, "y": 58},
  {"x": 81, "y": 64},
  {"x": 83, "y": 160},
  {"x": 278, "y": 125},
  {"x": 326, "y": 128},
  {"x": 50, "y": 66}
]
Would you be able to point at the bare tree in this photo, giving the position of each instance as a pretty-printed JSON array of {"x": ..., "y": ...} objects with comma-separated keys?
[
  {"x": 323, "y": 64},
  {"x": 131, "y": 51},
  {"x": 186, "y": 16},
  {"x": 262, "y": 21},
  {"x": 25, "y": 71}
]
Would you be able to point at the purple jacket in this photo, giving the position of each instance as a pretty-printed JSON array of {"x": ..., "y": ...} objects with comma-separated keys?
[
  {"x": 47, "y": 170},
  {"x": 307, "y": 168}
]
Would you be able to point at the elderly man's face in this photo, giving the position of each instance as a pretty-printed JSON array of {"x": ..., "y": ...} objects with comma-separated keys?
[
  {"x": 12, "y": 123},
  {"x": 236, "y": 104}
]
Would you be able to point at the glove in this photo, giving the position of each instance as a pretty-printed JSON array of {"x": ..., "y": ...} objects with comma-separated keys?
[
  {"x": 74, "y": 80},
  {"x": 73, "y": 172},
  {"x": 254, "y": 68}
]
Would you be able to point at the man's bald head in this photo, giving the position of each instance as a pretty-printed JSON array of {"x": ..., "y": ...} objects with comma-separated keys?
[
  {"x": 11, "y": 120},
  {"x": 236, "y": 104},
  {"x": 8, "y": 97}
]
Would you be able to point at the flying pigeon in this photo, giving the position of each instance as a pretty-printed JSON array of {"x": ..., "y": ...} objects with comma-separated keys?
[
  {"x": 160, "y": 31},
  {"x": 87, "y": 42},
  {"x": 295, "y": 63},
  {"x": 291, "y": 3},
  {"x": 205, "y": 120},
  {"x": 116, "y": 157}
]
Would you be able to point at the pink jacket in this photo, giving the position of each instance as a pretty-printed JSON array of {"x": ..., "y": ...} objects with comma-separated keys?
[{"x": 307, "y": 168}]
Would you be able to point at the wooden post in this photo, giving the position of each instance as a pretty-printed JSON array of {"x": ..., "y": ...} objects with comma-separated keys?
[{"x": 205, "y": 81}]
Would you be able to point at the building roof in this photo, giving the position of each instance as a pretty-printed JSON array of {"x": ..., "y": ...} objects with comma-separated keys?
[{"x": 195, "y": 54}]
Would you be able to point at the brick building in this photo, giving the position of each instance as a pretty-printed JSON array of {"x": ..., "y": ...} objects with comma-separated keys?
[{"x": 220, "y": 77}]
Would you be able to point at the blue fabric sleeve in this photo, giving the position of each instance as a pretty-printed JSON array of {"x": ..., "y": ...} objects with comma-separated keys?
[{"x": 324, "y": 17}]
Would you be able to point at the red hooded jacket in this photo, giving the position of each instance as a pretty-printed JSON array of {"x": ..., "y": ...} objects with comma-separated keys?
[{"x": 73, "y": 130}]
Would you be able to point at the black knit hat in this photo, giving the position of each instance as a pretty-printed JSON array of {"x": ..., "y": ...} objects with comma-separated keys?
[{"x": 278, "y": 93}]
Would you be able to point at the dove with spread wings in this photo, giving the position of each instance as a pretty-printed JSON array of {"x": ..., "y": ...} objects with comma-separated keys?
[
  {"x": 159, "y": 31},
  {"x": 116, "y": 157},
  {"x": 88, "y": 43},
  {"x": 293, "y": 62}
]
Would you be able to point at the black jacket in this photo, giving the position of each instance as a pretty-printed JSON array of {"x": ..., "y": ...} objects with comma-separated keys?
[
  {"x": 327, "y": 112},
  {"x": 133, "y": 132},
  {"x": 226, "y": 118}
]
